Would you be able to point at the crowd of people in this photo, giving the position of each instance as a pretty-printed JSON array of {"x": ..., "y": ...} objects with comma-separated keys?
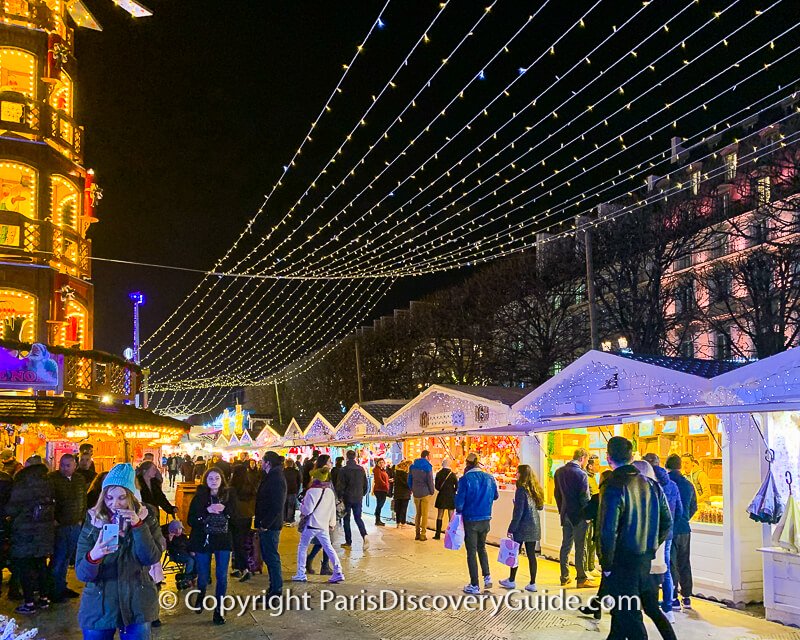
[{"x": 629, "y": 528}]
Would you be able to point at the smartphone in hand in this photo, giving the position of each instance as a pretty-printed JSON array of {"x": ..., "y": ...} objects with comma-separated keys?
[{"x": 110, "y": 534}]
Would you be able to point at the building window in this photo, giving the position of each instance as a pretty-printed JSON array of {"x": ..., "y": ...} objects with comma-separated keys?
[
  {"x": 555, "y": 369},
  {"x": 719, "y": 244},
  {"x": 723, "y": 346},
  {"x": 18, "y": 189},
  {"x": 65, "y": 200},
  {"x": 696, "y": 179},
  {"x": 685, "y": 298},
  {"x": 719, "y": 287},
  {"x": 764, "y": 190},
  {"x": 686, "y": 348},
  {"x": 18, "y": 72},
  {"x": 731, "y": 163},
  {"x": 18, "y": 315},
  {"x": 684, "y": 261},
  {"x": 73, "y": 330},
  {"x": 759, "y": 231}
]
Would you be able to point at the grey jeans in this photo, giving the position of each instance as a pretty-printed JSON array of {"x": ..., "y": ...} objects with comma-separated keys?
[
  {"x": 573, "y": 534},
  {"x": 475, "y": 541}
]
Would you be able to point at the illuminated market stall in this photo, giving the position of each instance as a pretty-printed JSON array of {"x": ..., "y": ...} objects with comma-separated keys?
[
  {"x": 447, "y": 420},
  {"x": 661, "y": 405},
  {"x": 762, "y": 405},
  {"x": 293, "y": 442}
]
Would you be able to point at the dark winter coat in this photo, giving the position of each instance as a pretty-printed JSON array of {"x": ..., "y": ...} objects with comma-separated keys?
[
  {"x": 293, "y": 480},
  {"x": 271, "y": 500},
  {"x": 634, "y": 517},
  {"x": 308, "y": 466},
  {"x": 571, "y": 491},
  {"x": 246, "y": 486},
  {"x": 201, "y": 542},
  {"x": 154, "y": 495},
  {"x": 401, "y": 489},
  {"x": 32, "y": 509},
  {"x": 70, "y": 497},
  {"x": 199, "y": 470},
  {"x": 525, "y": 525},
  {"x": 88, "y": 475},
  {"x": 688, "y": 501},
  {"x": 420, "y": 478},
  {"x": 351, "y": 483},
  {"x": 672, "y": 494},
  {"x": 446, "y": 483},
  {"x": 187, "y": 470},
  {"x": 119, "y": 590}
]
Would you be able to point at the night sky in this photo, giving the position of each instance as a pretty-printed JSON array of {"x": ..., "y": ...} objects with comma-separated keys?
[{"x": 190, "y": 114}]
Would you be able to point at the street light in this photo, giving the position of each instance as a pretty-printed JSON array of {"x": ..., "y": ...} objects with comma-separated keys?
[{"x": 137, "y": 298}]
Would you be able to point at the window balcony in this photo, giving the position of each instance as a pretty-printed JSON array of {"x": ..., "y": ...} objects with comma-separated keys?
[{"x": 29, "y": 118}]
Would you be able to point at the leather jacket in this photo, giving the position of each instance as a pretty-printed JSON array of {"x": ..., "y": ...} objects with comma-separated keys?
[{"x": 634, "y": 518}]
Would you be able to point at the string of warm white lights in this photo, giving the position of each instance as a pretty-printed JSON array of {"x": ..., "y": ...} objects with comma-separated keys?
[
  {"x": 488, "y": 254},
  {"x": 377, "y": 24},
  {"x": 298, "y": 340},
  {"x": 347, "y": 247},
  {"x": 168, "y": 339},
  {"x": 580, "y": 23},
  {"x": 392, "y": 235},
  {"x": 420, "y": 266},
  {"x": 419, "y": 248},
  {"x": 285, "y": 372},
  {"x": 409, "y": 256}
]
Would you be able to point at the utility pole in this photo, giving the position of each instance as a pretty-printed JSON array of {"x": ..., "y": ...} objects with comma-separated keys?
[
  {"x": 137, "y": 298},
  {"x": 590, "y": 292},
  {"x": 358, "y": 373},
  {"x": 278, "y": 402}
]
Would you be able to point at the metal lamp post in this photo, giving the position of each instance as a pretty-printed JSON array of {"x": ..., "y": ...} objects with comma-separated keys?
[{"x": 137, "y": 298}]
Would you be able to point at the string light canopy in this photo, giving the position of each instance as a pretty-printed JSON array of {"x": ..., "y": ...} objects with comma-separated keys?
[
  {"x": 83, "y": 17},
  {"x": 425, "y": 179}
]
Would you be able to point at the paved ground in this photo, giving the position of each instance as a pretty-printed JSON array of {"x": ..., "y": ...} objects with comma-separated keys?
[{"x": 394, "y": 561}]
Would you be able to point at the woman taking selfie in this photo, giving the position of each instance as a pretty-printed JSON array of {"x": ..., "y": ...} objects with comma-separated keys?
[
  {"x": 211, "y": 512},
  {"x": 119, "y": 541}
]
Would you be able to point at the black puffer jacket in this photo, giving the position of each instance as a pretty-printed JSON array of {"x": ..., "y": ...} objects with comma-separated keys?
[
  {"x": 32, "y": 509},
  {"x": 70, "y": 497},
  {"x": 634, "y": 517},
  {"x": 351, "y": 483}
]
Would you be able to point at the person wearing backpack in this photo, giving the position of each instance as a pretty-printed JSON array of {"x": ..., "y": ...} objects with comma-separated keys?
[
  {"x": 446, "y": 485},
  {"x": 31, "y": 507}
]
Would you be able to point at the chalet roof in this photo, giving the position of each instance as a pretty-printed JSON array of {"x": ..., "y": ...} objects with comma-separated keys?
[
  {"x": 380, "y": 409},
  {"x": 76, "y": 412},
  {"x": 506, "y": 395},
  {"x": 694, "y": 366}
]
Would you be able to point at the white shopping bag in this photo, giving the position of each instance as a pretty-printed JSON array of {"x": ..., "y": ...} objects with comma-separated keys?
[{"x": 454, "y": 536}]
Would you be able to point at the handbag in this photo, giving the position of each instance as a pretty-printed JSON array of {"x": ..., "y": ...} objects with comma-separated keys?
[
  {"x": 454, "y": 536},
  {"x": 509, "y": 552},
  {"x": 216, "y": 523},
  {"x": 303, "y": 522}
]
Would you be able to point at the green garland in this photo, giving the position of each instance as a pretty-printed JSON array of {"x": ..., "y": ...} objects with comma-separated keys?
[{"x": 551, "y": 448}]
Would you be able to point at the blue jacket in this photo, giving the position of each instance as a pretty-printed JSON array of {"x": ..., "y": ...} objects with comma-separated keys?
[
  {"x": 420, "y": 478},
  {"x": 673, "y": 495},
  {"x": 477, "y": 490},
  {"x": 688, "y": 500}
]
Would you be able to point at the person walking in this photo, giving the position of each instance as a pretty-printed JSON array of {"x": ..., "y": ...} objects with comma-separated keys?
[
  {"x": 246, "y": 487},
  {"x": 199, "y": 468},
  {"x": 477, "y": 491},
  {"x": 308, "y": 466},
  {"x": 380, "y": 489},
  {"x": 571, "y": 489},
  {"x": 210, "y": 513},
  {"x": 270, "y": 507},
  {"x": 293, "y": 483},
  {"x": 680, "y": 553},
  {"x": 119, "y": 592},
  {"x": 321, "y": 473},
  {"x": 634, "y": 520},
  {"x": 593, "y": 608},
  {"x": 187, "y": 469},
  {"x": 420, "y": 481},
  {"x": 402, "y": 494},
  {"x": 31, "y": 508},
  {"x": 173, "y": 466},
  {"x": 525, "y": 526},
  {"x": 335, "y": 471},
  {"x": 148, "y": 478},
  {"x": 352, "y": 487},
  {"x": 319, "y": 509},
  {"x": 69, "y": 488},
  {"x": 446, "y": 485}
]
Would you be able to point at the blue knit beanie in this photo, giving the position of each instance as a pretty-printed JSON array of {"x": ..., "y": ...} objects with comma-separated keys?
[{"x": 121, "y": 475}]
